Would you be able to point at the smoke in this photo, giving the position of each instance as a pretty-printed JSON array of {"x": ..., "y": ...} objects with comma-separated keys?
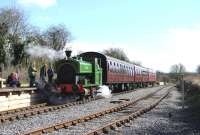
[
  {"x": 104, "y": 91},
  {"x": 38, "y": 51}
]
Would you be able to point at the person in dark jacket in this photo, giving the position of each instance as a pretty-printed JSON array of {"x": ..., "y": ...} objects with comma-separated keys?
[
  {"x": 0, "y": 72},
  {"x": 32, "y": 74},
  {"x": 50, "y": 74},
  {"x": 43, "y": 72},
  {"x": 13, "y": 80}
]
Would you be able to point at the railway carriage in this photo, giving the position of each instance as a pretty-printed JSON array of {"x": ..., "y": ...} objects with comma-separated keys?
[
  {"x": 152, "y": 76},
  {"x": 119, "y": 74},
  {"x": 138, "y": 75}
]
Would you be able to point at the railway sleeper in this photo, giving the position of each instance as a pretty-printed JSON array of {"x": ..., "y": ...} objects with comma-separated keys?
[
  {"x": 113, "y": 127},
  {"x": 20, "y": 116},
  {"x": 81, "y": 120},
  {"x": 131, "y": 118},
  {"x": 4, "y": 120},
  {"x": 33, "y": 113},
  {"x": 46, "y": 110},
  {"x": 105, "y": 130},
  {"x": 48, "y": 130},
  {"x": 98, "y": 114},
  {"x": 67, "y": 124},
  {"x": 75, "y": 122},
  {"x": 57, "y": 127},
  {"x": 41, "y": 111},
  {"x": 27, "y": 114},
  {"x": 12, "y": 118},
  {"x": 96, "y": 133},
  {"x": 118, "y": 124},
  {"x": 127, "y": 120},
  {"x": 50, "y": 109},
  {"x": 92, "y": 116},
  {"x": 87, "y": 118}
]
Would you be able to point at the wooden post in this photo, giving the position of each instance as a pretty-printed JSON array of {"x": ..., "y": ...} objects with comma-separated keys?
[{"x": 183, "y": 91}]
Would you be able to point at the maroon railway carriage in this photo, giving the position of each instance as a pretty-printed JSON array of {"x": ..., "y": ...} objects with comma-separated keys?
[
  {"x": 138, "y": 74},
  {"x": 145, "y": 76},
  {"x": 152, "y": 76},
  {"x": 119, "y": 74}
]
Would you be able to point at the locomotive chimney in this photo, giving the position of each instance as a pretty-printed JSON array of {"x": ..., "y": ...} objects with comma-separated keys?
[{"x": 68, "y": 53}]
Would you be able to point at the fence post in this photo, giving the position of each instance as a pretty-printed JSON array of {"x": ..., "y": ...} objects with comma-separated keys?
[{"x": 183, "y": 91}]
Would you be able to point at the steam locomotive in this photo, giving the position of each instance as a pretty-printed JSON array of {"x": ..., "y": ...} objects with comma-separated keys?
[{"x": 80, "y": 76}]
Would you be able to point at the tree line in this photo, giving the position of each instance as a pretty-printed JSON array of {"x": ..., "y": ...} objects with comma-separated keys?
[
  {"x": 119, "y": 54},
  {"x": 16, "y": 33}
]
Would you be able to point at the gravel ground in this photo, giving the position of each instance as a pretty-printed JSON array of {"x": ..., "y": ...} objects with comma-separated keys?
[
  {"x": 106, "y": 119},
  {"x": 27, "y": 124},
  {"x": 159, "y": 122}
]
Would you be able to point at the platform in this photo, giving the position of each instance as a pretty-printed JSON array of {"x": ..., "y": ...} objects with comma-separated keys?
[
  {"x": 2, "y": 82},
  {"x": 12, "y": 98}
]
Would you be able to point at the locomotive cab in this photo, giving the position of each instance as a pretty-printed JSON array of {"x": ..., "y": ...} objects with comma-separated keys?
[{"x": 75, "y": 76}]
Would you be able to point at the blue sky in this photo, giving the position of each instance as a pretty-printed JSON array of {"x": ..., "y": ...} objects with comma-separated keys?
[{"x": 150, "y": 31}]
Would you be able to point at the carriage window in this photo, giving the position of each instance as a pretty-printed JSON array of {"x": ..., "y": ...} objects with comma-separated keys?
[{"x": 131, "y": 72}]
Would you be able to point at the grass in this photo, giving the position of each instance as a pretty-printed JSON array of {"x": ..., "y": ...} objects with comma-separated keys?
[{"x": 193, "y": 100}]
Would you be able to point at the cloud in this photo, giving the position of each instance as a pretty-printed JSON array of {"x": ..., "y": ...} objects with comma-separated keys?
[
  {"x": 184, "y": 46},
  {"x": 178, "y": 45},
  {"x": 40, "y": 3}
]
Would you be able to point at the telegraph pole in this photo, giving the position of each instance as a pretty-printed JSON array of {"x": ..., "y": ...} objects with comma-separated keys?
[{"x": 183, "y": 90}]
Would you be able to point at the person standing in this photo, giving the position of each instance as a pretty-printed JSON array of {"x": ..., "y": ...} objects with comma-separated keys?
[
  {"x": 43, "y": 73},
  {"x": 50, "y": 74},
  {"x": 32, "y": 74},
  {"x": 0, "y": 72}
]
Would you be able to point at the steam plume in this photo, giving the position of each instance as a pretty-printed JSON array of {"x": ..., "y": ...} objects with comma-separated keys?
[
  {"x": 104, "y": 91},
  {"x": 38, "y": 51}
]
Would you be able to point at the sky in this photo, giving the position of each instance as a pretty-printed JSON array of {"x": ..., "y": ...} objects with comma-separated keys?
[{"x": 158, "y": 33}]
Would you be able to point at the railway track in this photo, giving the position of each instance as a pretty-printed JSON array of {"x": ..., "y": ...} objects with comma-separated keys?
[
  {"x": 8, "y": 112},
  {"x": 129, "y": 109},
  {"x": 124, "y": 120},
  {"x": 15, "y": 114},
  {"x": 25, "y": 112}
]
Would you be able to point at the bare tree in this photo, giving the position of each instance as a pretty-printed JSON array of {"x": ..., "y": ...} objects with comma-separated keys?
[
  {"x": 57, "y": 37},
  {"x": 36, "y": 37},
  {"x": 3, "y": 33},
  {"x": 177, "y": 70},
  {"x": 137, "y": 63},
  {"x": 15, "y": 20},
  {"x": 16, "y": 24},
  {"x": 116, "y": 53}
]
